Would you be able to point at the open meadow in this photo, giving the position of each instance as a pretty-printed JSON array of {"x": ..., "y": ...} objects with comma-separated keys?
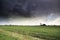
[{"x": 11, "y": 32}]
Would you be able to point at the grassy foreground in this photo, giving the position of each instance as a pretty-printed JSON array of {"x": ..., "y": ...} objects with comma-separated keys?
[
  {"x": 44, "y": 32},
  {"x": 5, "y": 37}
]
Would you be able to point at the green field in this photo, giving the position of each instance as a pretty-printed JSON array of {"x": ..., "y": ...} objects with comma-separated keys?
[
  {"x": 41, "y": 32},
  {"x": 6, "y": 37}
]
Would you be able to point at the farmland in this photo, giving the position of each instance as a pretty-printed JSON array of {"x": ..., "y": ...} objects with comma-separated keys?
[{"x": 11, "y": 32}]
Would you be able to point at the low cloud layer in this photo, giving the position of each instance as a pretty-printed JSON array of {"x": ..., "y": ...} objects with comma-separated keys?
[{"x": 30, "y": 21}]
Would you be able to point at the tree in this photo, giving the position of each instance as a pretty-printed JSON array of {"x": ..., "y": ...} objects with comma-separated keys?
[{"x": 42, "y": 24}]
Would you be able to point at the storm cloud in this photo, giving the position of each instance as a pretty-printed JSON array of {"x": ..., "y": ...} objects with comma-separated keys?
[
  {"x": 29, "y": 7},
  {"x": 47, "y": 10}
]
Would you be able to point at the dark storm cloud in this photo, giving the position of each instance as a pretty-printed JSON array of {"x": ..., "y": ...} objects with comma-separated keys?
[{"x": 28, "y": 8}]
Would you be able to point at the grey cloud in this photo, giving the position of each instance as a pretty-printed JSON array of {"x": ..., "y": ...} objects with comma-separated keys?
[{"x": 28, "y": 8}]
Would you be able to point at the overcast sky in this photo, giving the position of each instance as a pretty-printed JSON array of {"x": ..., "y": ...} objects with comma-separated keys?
[{"x": 30, "y": 12}]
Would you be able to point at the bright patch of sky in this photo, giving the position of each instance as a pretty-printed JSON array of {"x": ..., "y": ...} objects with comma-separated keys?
[{"x": 31, "y": 21}]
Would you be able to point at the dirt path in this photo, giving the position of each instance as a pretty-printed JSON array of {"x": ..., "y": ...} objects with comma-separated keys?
[{"x": 19, "y": 36}]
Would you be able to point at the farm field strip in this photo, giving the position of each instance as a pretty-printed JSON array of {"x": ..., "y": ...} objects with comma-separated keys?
[
  {"x": 35, "y": 32},
  {"x": 19, "y": 36}
]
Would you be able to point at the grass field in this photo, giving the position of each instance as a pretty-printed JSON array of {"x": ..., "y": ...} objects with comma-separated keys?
[
  {"x": 6, "y": 37},
  {"x": 32, "y": 32}
]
